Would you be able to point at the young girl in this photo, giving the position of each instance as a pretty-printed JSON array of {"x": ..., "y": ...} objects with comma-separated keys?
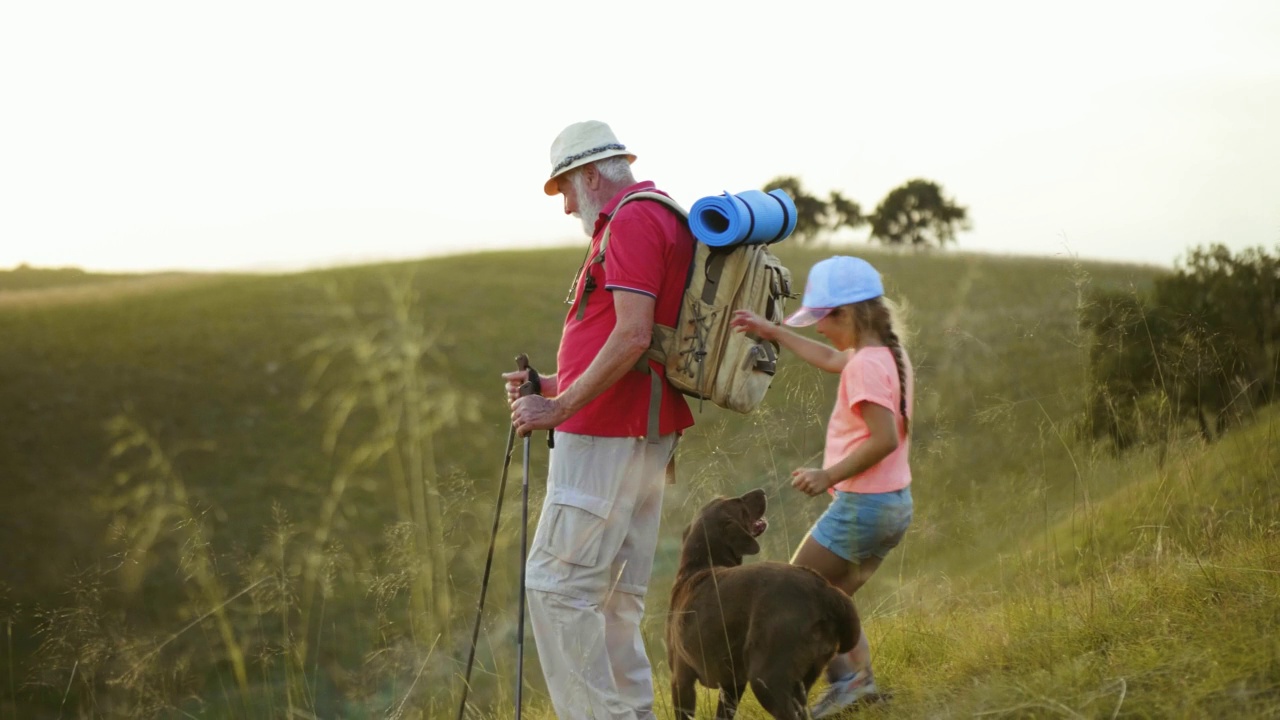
[{"x": 864, "y": 466}]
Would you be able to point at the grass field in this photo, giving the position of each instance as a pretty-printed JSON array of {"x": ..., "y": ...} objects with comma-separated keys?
[{"x": 270, "y": 496}]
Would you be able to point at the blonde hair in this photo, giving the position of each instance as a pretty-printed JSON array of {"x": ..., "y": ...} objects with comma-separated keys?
[{"x": 880, "y": 317}]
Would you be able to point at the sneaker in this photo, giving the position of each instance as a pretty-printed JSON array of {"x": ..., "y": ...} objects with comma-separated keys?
[{"x": 843, "y": 693}]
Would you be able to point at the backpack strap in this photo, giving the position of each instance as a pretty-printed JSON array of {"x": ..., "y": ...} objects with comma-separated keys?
[
  {"x": 641, "y": 195},
  {"x": 662, "y": 334},
  {"x": 589, "y": 285}
]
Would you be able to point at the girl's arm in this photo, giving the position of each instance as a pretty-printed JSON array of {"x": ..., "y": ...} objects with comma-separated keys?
[
  {"x": 883, "y": 426},
  {"x": 817, "y": 354}
]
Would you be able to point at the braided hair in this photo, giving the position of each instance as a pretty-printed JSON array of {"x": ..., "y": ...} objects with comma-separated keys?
[{"x": 876, "y": 316}]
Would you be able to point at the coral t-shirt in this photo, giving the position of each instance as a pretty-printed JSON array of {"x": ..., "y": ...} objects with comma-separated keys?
[
  {"x": 870, "y": 376},
  {"x": 650, "y": 249}
]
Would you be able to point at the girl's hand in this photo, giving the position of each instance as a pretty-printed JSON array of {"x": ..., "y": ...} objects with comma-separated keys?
[
  {"x": 811, "y": 481},
  {"x": 747, "y": 321}
]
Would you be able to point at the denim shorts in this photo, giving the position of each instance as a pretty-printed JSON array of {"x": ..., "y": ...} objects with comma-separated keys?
[{"x": 856, "y": 526}]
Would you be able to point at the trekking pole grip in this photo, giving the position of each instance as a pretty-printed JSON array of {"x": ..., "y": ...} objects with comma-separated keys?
[{"x": 532, "y": 386}]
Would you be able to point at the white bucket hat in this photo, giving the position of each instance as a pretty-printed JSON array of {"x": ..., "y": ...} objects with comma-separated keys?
[
  {"x": 579, "y": 144},
  {"x": 836, "y": 281}
]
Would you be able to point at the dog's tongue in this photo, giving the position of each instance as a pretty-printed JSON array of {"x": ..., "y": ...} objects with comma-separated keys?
[{"x": 758, "y": 527}]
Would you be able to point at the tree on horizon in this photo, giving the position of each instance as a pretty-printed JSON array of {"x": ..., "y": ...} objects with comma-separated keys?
[
  {"x": 813, "y": 214},
  {"x": 917, "y": 213}
]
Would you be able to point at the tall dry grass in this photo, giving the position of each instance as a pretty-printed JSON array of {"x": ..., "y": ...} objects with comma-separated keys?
[{"x": 1043, "y": 576}]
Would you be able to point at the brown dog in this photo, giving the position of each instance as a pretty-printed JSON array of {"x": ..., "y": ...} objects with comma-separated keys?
[{"x": 769, "y": 625}]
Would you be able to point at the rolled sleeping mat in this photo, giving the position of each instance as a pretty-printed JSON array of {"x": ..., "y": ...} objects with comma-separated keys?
[{"x": 751, "y": 216}]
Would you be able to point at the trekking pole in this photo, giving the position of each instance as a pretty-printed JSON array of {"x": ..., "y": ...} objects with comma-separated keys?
[
  {"x": 522, "y": 363},
  {"x": 531, "y": 387}
]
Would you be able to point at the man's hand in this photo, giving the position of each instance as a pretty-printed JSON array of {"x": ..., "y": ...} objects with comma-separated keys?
[
  {"x": 517, "y": 378},
  {"x": 535, "y": 412},
  {"x": 514, "y": 381},
  {"x": 811, "y": 481}
]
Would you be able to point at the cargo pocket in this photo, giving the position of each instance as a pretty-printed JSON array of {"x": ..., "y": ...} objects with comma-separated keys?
[{"x": 577, "y": 525}]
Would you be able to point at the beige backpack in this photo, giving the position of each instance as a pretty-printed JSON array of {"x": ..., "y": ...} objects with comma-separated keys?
[{"x": 703, "y": 356}]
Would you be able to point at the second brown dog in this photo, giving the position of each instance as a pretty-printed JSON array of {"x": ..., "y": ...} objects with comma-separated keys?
[{"x": 769, "y": 625}]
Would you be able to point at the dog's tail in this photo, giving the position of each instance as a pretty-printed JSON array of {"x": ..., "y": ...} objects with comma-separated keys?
[{"x": 844, "y": 619}]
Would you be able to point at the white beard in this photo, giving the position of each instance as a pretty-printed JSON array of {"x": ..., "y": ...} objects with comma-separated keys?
[{"x": 588, "y": 206}]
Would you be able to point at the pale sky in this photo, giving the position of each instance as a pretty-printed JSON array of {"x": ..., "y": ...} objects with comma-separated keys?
[{"x": 284, "y": 136}]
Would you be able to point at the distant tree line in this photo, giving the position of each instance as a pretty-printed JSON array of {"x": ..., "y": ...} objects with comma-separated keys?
[
  {"x": 1203, "y": 349},
  {"x": 916, "y": 213}
]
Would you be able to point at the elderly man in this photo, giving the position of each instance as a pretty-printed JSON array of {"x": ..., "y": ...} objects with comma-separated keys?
[{"x": 592, "y": 553}]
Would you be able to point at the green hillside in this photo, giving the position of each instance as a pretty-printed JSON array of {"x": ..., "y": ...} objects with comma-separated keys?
[
  {"x": 261, "y": 495},
  {"x": 25, "y": 277}
]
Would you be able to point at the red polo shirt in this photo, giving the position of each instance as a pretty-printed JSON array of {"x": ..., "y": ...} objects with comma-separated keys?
[{"x": 649, "y": 252}]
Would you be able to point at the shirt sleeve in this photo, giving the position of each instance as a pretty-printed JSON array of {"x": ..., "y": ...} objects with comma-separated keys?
[
  {"x": 635, "y": 257},
  {"x": 868, "y": 381}
]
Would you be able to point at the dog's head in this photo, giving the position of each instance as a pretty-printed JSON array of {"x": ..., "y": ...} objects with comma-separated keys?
[{"x": 725, "y": 531}]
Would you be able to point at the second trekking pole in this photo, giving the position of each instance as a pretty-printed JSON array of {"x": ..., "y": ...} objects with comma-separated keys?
[
  {"x": 522, "y": 363},
  {"x": 533, "y": 386}
]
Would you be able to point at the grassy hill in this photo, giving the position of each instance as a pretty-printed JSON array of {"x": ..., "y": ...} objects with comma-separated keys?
[{"x": 262, "y": 495}]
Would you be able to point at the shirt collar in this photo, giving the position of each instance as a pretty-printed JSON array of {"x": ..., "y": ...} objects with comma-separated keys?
[{"x": 612, "y": 205}]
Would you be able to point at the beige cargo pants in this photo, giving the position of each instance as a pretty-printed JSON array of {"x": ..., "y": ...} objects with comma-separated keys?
[{"x": 588, "y": 570}]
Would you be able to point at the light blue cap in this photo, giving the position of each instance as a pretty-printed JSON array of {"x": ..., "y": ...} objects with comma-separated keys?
[{"x": 833, "y": 282}]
